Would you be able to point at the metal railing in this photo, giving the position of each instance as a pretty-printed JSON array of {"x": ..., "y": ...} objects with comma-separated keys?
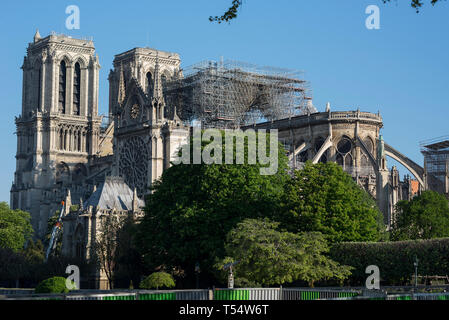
[{"x": 228, "y": 294}]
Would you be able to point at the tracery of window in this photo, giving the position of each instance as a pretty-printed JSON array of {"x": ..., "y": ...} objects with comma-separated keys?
[
  {"x": 344, "y": 146},
  {"x": 77, "y": 89},
  {"x": 301, "y": 157},
  {"x": 62, "y": 86},
  {"x": 133, "y": 164},
  {"x": 339, "y": 159},
  {"x": 163, "y": 81},
  {"x": 62, "y": 172},
  {"x": 369, "y": 144},
  {"x": 344, "y": 157}
]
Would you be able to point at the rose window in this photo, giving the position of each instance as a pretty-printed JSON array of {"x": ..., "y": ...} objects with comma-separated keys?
[{"x": 134, "y": 164}]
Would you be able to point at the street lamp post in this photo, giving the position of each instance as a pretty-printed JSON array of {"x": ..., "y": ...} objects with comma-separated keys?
[
  {"x": 197, "y": 273},
  {"x": 416, "y": 271}
]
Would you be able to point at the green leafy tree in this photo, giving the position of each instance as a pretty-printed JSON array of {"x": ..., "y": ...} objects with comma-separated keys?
[
  {"x": 158, "y": 280},
  {"x": 13, "y": 266},
  {"x": 105, "y": 245},
  {"x": 194, "y": 206},
  {"x": 52, "y": 285},
  {"x": 426, "y": 216},
  {"x": 323, "y": 198},
  {"x": 129, "y": 264},
  {"x": 34, "y": 252},
  {"x": 15, "y": 227},
  {"x": 417, "y": 4},
  {"x": 232, "y": 12},
  {"x": 266, "y": 256}
]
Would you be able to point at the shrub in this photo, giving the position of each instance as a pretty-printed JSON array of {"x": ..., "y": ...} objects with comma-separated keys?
[
  {"x": 157, "y": 280},
  {"x": 394, "y": 259},
  {"x": 52, "y": 285}
]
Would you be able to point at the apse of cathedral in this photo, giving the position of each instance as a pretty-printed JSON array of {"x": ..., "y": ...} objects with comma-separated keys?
[{"x": 65, "y": 147}]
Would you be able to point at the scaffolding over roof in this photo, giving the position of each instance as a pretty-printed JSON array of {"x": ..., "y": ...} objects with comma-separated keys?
[
  {"x": 436, "y": 156},
  {"x": 435, "y": 143},
  {"x": 230, "y": 94}
]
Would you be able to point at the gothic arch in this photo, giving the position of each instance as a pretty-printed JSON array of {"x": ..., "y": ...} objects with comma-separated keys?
[
  {"x": 62, "y": 172},
  {"x": 79, "y": 173},
  {"x": 369, "y": 143},
  {"x": 37, "y": 63},
  {"x": 66, "y": 58},
  {"x": 81, "y": 60}
]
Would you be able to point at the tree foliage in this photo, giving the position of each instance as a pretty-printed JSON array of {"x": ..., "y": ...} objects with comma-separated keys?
[
  {"x": 128, "y": 266},
  {"x": 52, "y": 285},
  {"x": 194, "y": 206},
  {"x": 426, "y": 216},
  {"x": 104, "y": 247},
  {"x": 417, "y": 4},
  {"x": 15, "y": 227},
  {"x": 323, "y": 198},
  {"x": 232, "y": 12},
  {"x": 394, "y": 259},
  {"x": 267, "y": 256},
  {"x": 158, "y": 280}
]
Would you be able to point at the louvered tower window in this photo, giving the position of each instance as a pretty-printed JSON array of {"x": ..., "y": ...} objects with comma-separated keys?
[
  {"x": 62, "y": 86},
  {"x": 76, "y": 90},
  {"x": 39, "y": 104},
  {"x": 149, "y": 83}
]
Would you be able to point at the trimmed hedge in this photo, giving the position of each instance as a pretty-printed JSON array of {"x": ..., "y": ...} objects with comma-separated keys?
[
  {"x": 394, "y": 259},
  {"x": 52, "y": 285}
]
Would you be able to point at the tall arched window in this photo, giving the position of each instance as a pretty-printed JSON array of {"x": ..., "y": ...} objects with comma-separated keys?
[
  {"x": 163, "y": 81},
  {"x": 61, "y": 139},
  {"x": 39, "y": 89},
  {"x": 62, "y": 86},
  {"x": 77, "y": 89},
  {"x": 149, "y": 82}
]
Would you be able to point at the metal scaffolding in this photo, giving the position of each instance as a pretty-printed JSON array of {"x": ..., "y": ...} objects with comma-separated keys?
[
  {"x": 230, "y": 94},
  {"x": 436, "y": 156}
]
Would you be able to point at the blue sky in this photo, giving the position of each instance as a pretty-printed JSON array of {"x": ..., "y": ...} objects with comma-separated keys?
[{"x": 401, "y": 70}]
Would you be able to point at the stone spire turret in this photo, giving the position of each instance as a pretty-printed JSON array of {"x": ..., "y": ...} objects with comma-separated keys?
[
  {"x": 158, "y": 101},
  {"x": 121, "y": 88},
  {"x": 37, "y": 36},
  {"x": 68, "y": 202},
  {"x": 135, "y": 205}
]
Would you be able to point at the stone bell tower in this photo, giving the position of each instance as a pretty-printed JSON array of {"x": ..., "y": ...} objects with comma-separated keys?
[
  {"x": 58, "y": 128},
  {"x": 147, "y": 131}
]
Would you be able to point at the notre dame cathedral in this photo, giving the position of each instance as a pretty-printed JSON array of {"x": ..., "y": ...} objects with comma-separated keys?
[
  {"x": 107, "y": 163},
  {"x": 63, "y": 145}
]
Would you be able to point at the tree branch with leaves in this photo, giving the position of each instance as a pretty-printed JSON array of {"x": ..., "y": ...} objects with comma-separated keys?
[{"x": 236, "y": 5}]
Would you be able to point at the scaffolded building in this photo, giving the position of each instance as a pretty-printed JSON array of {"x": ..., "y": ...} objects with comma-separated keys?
[
  {"x": 436, "y": 163},
  {"x": 230, "y": 94}
]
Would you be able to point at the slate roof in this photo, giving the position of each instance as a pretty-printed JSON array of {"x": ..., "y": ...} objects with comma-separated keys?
[{"x": 113, "y": 193}]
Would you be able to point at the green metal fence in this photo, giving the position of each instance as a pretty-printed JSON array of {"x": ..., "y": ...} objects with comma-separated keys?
[
  {"x": 231, "y": 294},
  {"x": 157, "y": 296}
]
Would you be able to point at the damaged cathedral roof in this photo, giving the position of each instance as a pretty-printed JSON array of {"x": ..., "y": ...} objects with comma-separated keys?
[{"x": 113, "y": 193}]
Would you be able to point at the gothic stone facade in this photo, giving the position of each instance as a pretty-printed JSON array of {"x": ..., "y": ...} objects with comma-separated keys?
[{"x": 61, "y": 144}]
